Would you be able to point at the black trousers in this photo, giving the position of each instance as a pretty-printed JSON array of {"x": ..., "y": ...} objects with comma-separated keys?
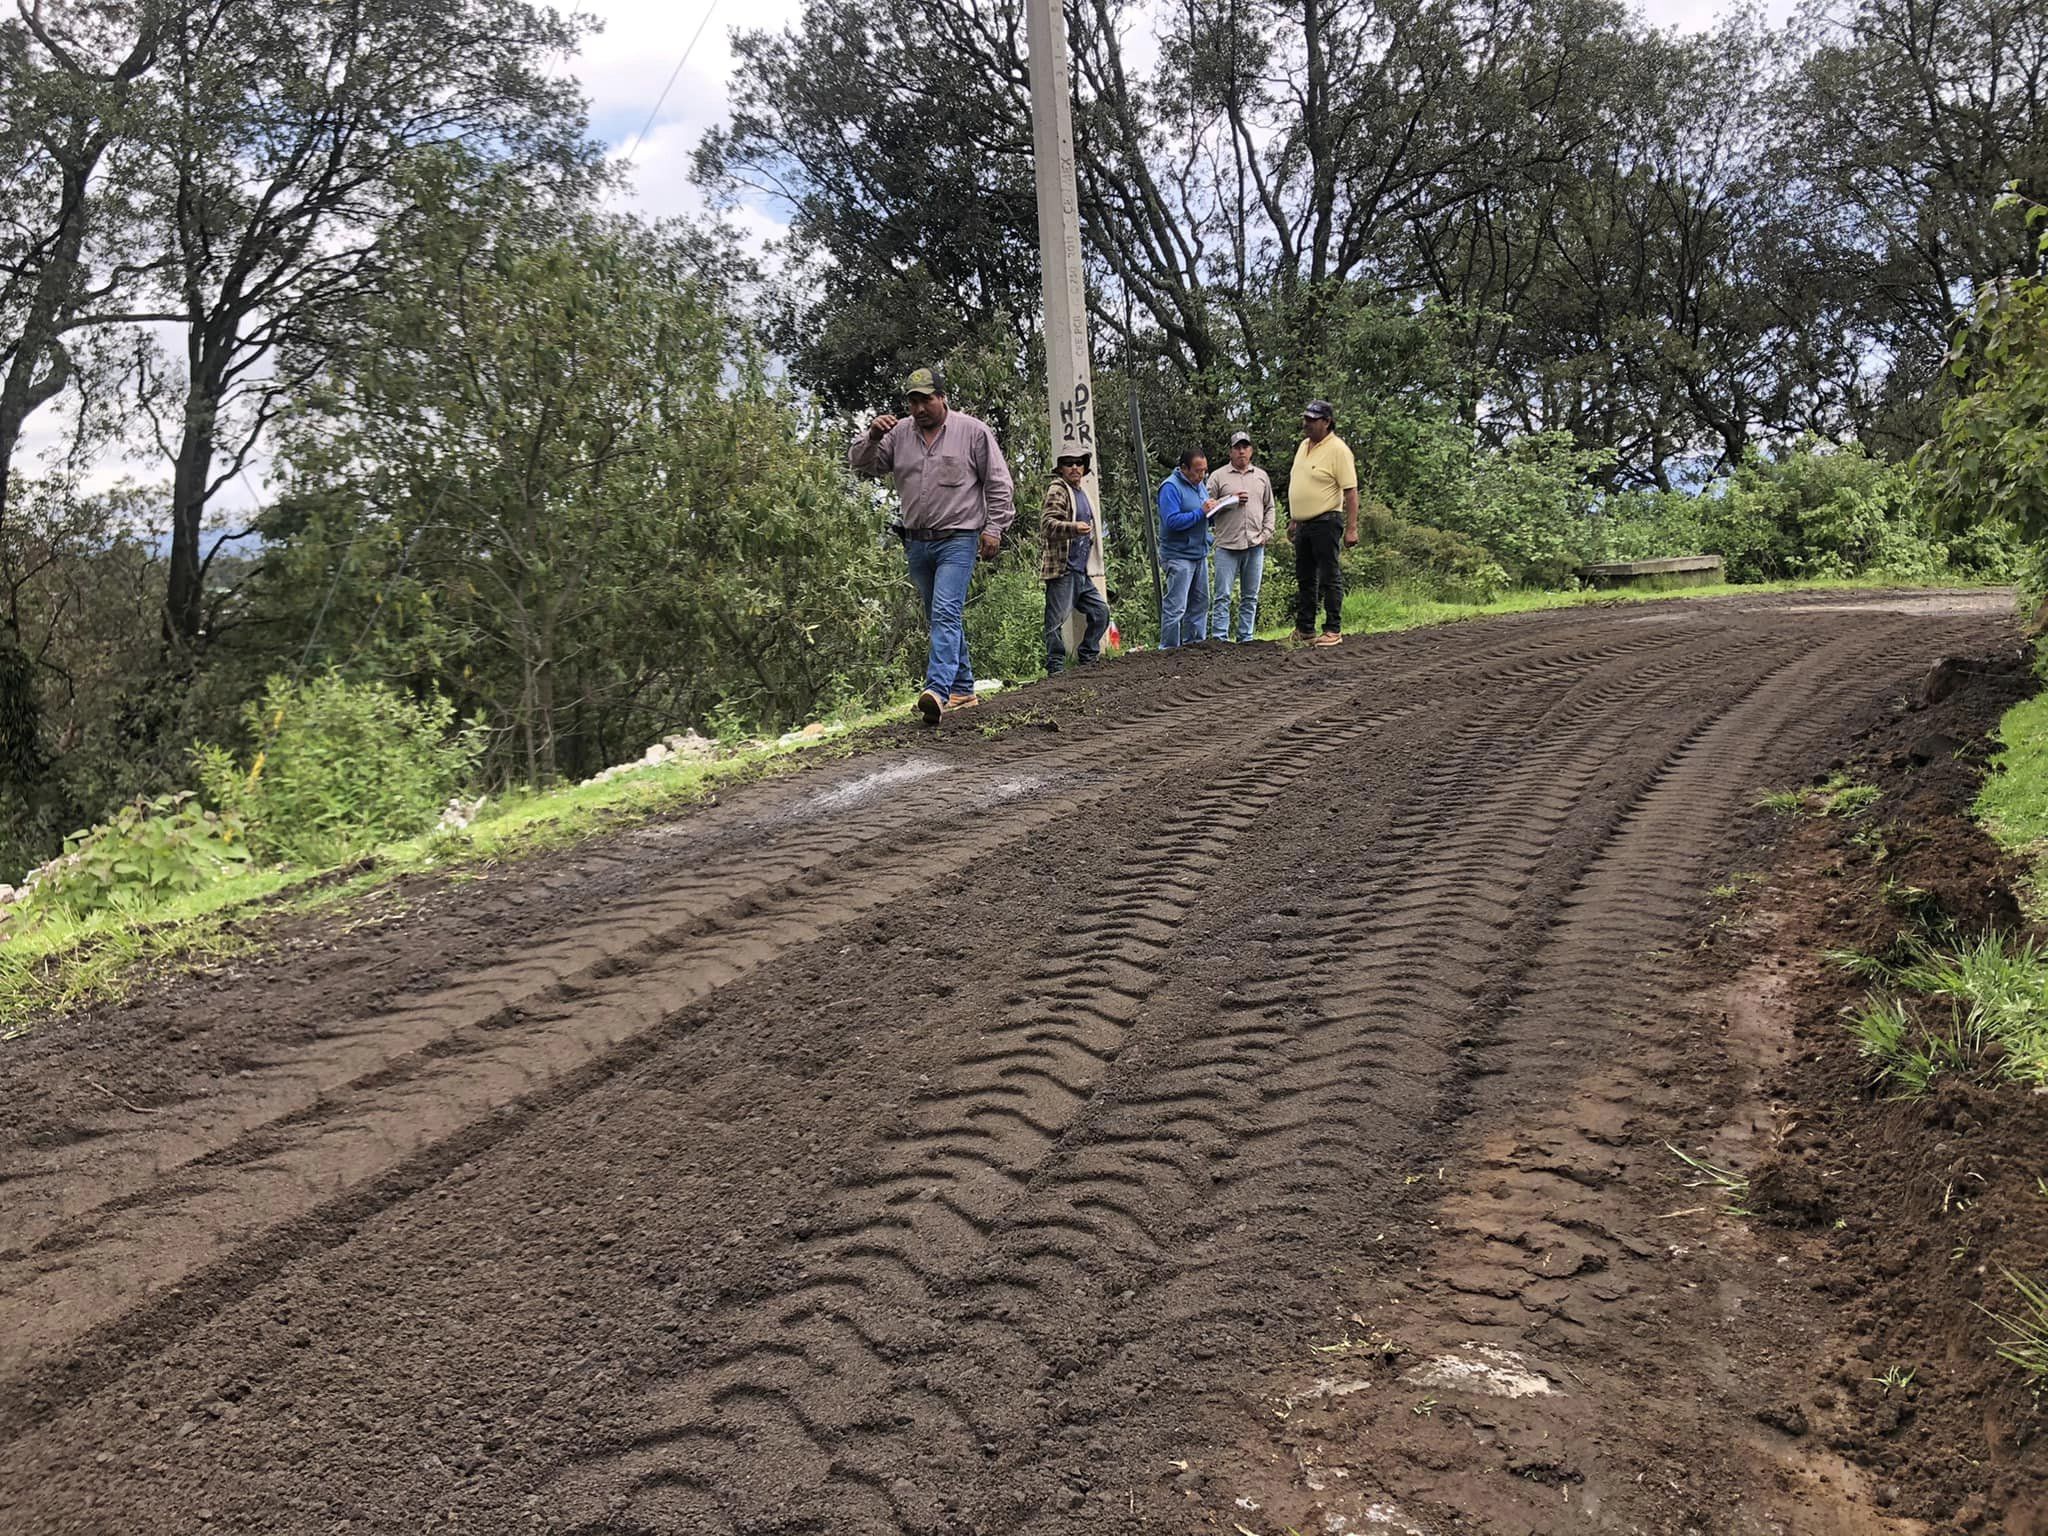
[
  {"x": 1318, "y": 541},
  {"x": 1063, "y": 594}
]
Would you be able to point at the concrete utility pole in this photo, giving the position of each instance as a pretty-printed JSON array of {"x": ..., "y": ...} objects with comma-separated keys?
[{"x": 1070, "y": 385}]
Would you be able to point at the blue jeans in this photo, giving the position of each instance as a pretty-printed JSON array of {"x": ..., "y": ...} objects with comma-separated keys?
[
  {"x": 1063, "y": 594},
  {"x": 940, "y": 569},
  {"x": 1233, "y": 566},
  {"x": 1184, "y": 602}
]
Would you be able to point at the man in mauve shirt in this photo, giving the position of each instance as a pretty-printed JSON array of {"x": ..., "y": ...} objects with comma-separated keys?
[{"x": 956, "y": 506}]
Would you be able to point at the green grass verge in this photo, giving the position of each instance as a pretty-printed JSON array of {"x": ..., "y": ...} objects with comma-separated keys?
[
  {"x": 2013, "y": 801},
  {"x": 56, "y": 964}
]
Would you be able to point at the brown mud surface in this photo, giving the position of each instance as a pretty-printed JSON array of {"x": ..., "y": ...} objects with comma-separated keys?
[{"x": 1225, "y": 1091}]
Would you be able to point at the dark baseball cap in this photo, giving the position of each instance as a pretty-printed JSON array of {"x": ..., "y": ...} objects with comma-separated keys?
[
  {"x": 1240, "y": 439},
  {"x": 1320, "y": 409}
]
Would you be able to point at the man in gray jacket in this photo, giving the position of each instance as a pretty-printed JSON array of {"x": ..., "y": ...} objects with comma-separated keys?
[
  {"x": 1242, "y": 530},
  {"x": 957, "y": 502}
]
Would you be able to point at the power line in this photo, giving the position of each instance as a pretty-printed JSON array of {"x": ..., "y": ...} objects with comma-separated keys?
[{"x": 640, "y": 138}]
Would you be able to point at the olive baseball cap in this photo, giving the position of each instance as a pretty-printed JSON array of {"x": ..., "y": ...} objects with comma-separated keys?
[{"x": 924, "y": 381}]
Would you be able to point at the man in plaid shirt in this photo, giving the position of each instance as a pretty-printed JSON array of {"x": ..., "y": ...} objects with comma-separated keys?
[{"x": 1066, "y": 534}]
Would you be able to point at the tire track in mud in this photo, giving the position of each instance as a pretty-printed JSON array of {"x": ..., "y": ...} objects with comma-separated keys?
[
  {"x": 485, "y": 1050},
  {"x": 1309, "y": 1111},
  {"x": 1529, "y": 1264},
  {"x": 808, "y": 852},
  {"x": 705, "y": 910},
  {"x": 492, "y": 1042},
  {"x": 1115, "y": 1188},
  {"x": 771, "y": 1411},
  {"x": 943, "y": 1186}
]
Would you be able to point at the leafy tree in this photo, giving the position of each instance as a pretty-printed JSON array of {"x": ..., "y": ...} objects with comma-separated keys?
[
  {"x": 1653, "y": 291},
  {"x": 550, "y": 479},
  {"x": 70, "y": 112},
  {"x": 1990, "y": 461},
  {"x": 283, "y": 193},
  {"x": 899, "y": 140},
  {"x": 1907, "y": 118},
  {"x": 82, "y": 587},
  {"x": 77, "y": 108}
]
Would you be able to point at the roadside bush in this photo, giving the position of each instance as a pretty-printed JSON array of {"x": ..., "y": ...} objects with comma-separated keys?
[
  {"x": 1647, "y": 525},
  {"x": 150, "y": 849},
  {"x": 1006, "y": 620},
  {"x": 1819, "y": 514},
  {"x": 1816, "y": 512},
  {"x": 1454, "y": 509},
  {"x": 1529, "y": 503},
  {"x": 339, "y": 766}
]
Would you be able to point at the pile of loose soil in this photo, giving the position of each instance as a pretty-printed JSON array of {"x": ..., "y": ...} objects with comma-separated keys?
[{"x": 1908, "y": 1215}]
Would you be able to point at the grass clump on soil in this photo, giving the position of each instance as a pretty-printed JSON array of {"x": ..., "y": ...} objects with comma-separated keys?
[
  {"x": 2024, "y": 1331},
  {"x": 1731, "y": 1184},
  {"x": 1963, "y": 1007},
  {"x": 1838, "y": 795}
]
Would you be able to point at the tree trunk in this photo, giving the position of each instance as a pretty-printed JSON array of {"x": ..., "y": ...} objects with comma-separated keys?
[
  {"x": 184, "y": 600},
  {"x": 41, "y": 366},
  {"x": 21, "y": 754}
]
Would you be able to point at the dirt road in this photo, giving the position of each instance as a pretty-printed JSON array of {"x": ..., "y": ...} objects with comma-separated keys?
[{"x": 1223, "y": 1092}]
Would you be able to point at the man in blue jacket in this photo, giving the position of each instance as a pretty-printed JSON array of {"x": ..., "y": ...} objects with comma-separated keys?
[{"x": 1184, "y": 512}]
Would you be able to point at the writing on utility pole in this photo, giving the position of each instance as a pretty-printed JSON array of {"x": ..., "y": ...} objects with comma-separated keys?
[{"x": 1077, "y": 421}]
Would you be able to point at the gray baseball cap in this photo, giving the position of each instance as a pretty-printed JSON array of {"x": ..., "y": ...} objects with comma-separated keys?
[{"x": 1320, "y": 409}]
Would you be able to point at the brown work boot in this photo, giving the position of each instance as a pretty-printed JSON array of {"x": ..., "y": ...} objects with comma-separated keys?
[
  {"x": 1300, "y": 637},
  {"x": 1329, "y": 637},
  {"x": 930, "y": 705},
  {"x": 960, "y": 701}
]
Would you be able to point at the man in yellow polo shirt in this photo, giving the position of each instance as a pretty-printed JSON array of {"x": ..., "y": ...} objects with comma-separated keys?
[{"x": 1322, "y": 521}]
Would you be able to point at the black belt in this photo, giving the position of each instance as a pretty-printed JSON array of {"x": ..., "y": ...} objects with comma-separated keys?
[{"x": 931, "y": 535}]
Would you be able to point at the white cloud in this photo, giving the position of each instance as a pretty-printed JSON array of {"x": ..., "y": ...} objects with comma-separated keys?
[{"x": 624, "y": 68}]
